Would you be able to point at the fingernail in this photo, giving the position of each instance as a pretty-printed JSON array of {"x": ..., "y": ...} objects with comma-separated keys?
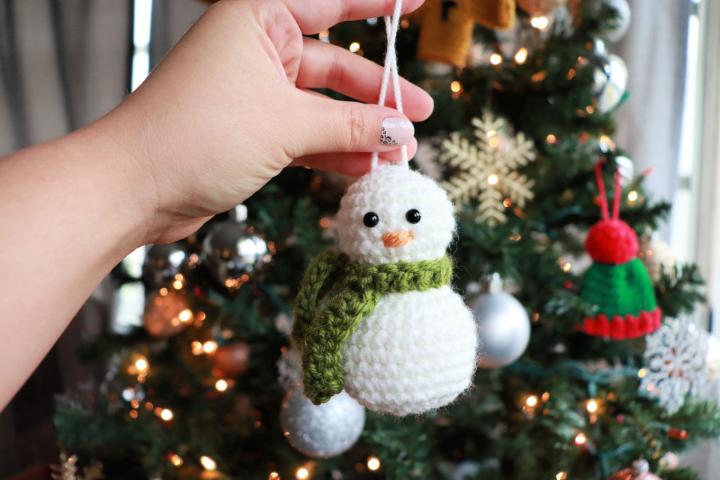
[{"x": 396, "y": 131}]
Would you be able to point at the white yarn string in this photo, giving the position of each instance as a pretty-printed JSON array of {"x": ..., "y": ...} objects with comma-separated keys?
[{"x": 392, "y": 25}]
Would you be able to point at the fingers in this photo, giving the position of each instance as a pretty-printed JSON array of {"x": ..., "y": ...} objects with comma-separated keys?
[
  {"x": 322, "y": 125},
  {"x": 313, "y": 16},
  {"x": 329, "y": 66},
  {"x": 353, "y": 164}
]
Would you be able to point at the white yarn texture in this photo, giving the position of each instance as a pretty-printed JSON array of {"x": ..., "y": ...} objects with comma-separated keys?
[
  {"x": 390, "y": 191},
  {"x": 416, "y": 351}
]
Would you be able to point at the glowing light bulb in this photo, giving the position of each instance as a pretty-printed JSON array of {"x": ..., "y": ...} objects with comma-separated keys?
[
  {"x": 532, "y": 401},
  {"x": 302, "y": 473},
  {"x": 166, "y": 414},
  {"x": 633, "y": 196},
  {"x": 580, "y": 439},
  {"x": 642, "y": 372},
  {"x": 208, "y": 463},
  {"x": 592, "y": 406},
  {"x": 492, "y": 179},
  {"x": 551, "y": 139},
  {"x": 274, "y": 476},
  {"x": 561, "y": 476},
  {"x": 540, "y": 22},
  {"x": 496, "y": 59},
  {"x": 210, "y": 346},
  {"x": 373, "y": 464},
  {"x": 521, "y": 55},
  {"x": 354, "y": 47},
  {"x": 185, "y": 315},
  {"x": 176, "y": 460},
  {"x": 456, "y": 87},
  {"x": 221, "y": 385},
  {"x": 139, "y": 365}
]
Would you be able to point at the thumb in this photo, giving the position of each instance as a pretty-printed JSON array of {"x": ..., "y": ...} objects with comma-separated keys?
[{"x": 328, "y": 125}]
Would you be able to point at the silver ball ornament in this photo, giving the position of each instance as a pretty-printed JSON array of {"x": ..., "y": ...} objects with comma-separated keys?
[
  {"x": 503, "y": 329},
  {"x": 162, "y": 263},
  {"x": 626, "y": 168},
  {"x": 610, "y": 81},
  {"x": 622, "y": 21},
  {"x": 232, "y": 250},
  {"x": 321, "y": 431}
]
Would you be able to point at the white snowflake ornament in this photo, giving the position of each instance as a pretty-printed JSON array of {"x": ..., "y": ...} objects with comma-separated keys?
[
  {"x": 486, "y": 170},
  {"x": 674, "y": 364}
]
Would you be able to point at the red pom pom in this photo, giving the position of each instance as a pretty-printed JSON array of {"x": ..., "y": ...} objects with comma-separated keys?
[{"x": 612, "y": 241}]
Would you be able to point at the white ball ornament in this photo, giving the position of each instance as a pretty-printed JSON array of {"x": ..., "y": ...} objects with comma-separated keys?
[
  {"x": 321, "y": 431},
  {"x": 503, "y": 327},
  {"x": 407, "y": 341}
]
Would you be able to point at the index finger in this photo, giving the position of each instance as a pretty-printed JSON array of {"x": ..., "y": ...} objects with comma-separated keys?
[{"x": 314, "y": 16}]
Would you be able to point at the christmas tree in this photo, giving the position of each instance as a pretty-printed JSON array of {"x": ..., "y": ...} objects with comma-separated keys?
[{"x": 588, "y": 366}]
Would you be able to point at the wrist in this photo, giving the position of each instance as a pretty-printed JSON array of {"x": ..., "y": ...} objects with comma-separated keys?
[{"x": 114, "y": 158}]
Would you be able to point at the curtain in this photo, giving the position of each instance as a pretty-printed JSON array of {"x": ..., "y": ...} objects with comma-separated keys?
[{"x": 649, "y": 124}]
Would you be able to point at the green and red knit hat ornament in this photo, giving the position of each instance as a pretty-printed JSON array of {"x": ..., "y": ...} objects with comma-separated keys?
[{"x": 617, "y": 284}]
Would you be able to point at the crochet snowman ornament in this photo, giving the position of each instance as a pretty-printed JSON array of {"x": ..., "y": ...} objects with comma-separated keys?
[{"x": 380, "y": 319}]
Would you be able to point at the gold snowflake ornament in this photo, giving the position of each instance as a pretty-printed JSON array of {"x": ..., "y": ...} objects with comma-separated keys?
[
  {"x": 68, "y": 469},
  {"x": 485, "y": 169}
]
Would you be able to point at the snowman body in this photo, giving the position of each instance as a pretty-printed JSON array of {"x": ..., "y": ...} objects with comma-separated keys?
[{"x": 415, "y": 352}]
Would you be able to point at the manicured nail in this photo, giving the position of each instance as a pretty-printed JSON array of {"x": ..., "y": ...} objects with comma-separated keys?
[{"x": 396, "y": 131}]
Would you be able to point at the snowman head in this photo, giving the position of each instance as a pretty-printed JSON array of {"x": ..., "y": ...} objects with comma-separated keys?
[{"x": 394, "y": 214}]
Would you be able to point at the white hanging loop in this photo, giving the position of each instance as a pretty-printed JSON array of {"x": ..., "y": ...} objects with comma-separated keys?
[{"x": 392, "y": 24}]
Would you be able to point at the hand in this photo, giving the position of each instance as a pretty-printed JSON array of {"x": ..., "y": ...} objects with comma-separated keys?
[{"x": 231, "y": 106}]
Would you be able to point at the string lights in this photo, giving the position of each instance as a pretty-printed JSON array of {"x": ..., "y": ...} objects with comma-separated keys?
[
  {"x": 540, "y": 22},
  {"x": 199, "y": 348},
  {"x": 373, "y": 463},
  {"x": 208, "y": 463},
  {"x": 165, "y": 414},
  {"x": 179, "y": 282},
  {"x": 521, "y": 55},
  {"x": 176, "y": 459},
  {"x": 139, "y": 366}
]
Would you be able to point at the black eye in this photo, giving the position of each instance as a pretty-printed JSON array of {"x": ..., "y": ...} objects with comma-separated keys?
[
  {"x": 371, "y": 219},
  {"x": 413, "y": 216}
]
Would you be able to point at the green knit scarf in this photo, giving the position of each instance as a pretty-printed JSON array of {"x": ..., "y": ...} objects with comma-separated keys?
[{"x": 336, "y": 294}]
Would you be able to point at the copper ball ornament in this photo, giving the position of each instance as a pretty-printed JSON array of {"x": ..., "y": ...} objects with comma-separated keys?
[
  {"x": 166, "y": 313},
  {"x": 232, "y": 359}
]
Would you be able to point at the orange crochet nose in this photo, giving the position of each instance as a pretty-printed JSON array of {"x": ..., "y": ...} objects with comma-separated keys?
[{"x": 397, "y": 239}]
